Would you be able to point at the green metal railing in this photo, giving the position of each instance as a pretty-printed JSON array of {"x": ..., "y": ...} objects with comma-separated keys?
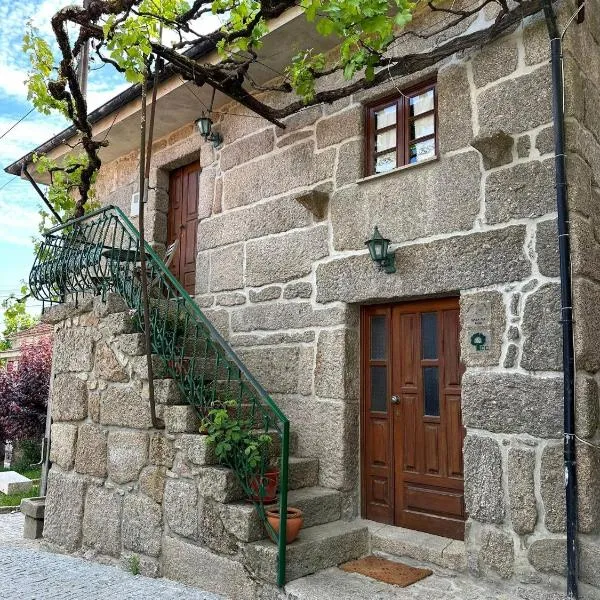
[{"x": 100, "y": 252}]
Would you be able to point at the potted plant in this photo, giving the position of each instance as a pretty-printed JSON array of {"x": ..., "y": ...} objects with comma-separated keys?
[
  {"x": 293, "y": 522},
  {"x": 240, "y": 447}
]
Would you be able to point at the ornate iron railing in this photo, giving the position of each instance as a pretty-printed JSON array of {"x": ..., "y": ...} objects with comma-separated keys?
[{"x": 100, "y": 252}]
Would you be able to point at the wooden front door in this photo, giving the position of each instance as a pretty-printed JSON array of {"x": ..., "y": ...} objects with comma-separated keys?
[
  {"x": 412, "y": 433},
  {"x": 183, "y": 223}
]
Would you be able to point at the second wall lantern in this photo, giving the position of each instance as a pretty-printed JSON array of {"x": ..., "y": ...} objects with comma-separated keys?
[{"x": 379, "y": 251}]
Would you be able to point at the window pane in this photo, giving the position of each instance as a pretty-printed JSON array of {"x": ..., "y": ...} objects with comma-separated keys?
[
  {"x": 422, "y": 127},
  {"x": 421, "y": 103},
  {"x": 421, "y": 151},
  {"x": 378, "y": 338},
  {"x": 385, "y": 162},
  {"x": 429, "y": 335},
  {"x": 379, "y": 389},
  {"x": 385, "y": 117},
  {"x": 386, "y": 140},
  {"x": 431, "y": 391}
]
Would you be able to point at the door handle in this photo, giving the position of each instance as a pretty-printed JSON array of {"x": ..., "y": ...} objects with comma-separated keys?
[{"x": 395, "y": 399}]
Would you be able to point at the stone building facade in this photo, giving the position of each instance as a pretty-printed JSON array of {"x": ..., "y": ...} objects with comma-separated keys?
[{"x": 282, "y": 272}]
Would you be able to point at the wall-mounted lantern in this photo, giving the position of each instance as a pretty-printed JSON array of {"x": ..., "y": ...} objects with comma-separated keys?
[
  {"x": 204, "y": 125},
  {"x": 378, "y": 249}
]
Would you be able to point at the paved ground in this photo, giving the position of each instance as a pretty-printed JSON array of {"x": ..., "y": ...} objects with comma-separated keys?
[{"x": 29, "y": 573}]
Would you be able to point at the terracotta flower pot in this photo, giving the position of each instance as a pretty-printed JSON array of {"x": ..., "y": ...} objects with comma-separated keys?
[
  {"x": 270, "y": 482},
  {"x": 293, "y": 523}
]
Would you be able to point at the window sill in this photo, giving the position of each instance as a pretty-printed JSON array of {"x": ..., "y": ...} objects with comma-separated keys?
[{"x": 397, "y": 170}]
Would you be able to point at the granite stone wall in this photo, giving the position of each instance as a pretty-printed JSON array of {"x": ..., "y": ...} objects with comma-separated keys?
[{"x": 282, "y": 270}]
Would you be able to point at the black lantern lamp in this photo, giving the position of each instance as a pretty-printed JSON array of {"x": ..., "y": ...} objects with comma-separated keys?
[
  {"x": 204, "y": 125},
  {"x": 378, "y": 249}
]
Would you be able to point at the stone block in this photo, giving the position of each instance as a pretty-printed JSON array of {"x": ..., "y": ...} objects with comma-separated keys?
[
  {"x": 91, "y": 450},
  {"x": 227, "y": 268},
  {"x": 544, "y": 141},
  {"x": 339, "y": 127},
  {"x": 131, "y": 344},
  {"x": 497, "y": 109},
  {"x": 337, "y": 364},
  {"x": 118, "y": 323},
  {"x": 73, "y": 350},
  {"x": 484, "y": 497},
  {"x": 124, "y": 406},
  {"x": 12, "y": 482},
  {"x": 494, "y": 61},
  {"x": 181, "y": 507},
  {"x": 152, "y": 482},
  {"x": 127, "y": 455},
  {"x": 247, "y": 149},
  {"x": 586, "y": 313},
  {"x": 69, "y": 398},
  {"x": 586, "y": 405},
  {"x": 197, "y": 449},
  {"x": 302, "y": 289},
  {"x": 536, "y": 42},
  {"x": 161, "y": 450},
  {"x": 495, "y": 147},
  {"x": 286, "y": 315},
  {"x": 276, "y": 369},
  {"x": 430, "y": 203},
  {"x": 585, "y": 249},
  {"x": 510, "y": 360},
  {"x": 523, "y": 146},
  {"x": 113, "y": 303},
  {"x": 548, "y": 555},
  {"x": 300, "y": 120},
  {"x": 521, "y": 489},
  {"x": 454, "y": 106},
  {"x": 350, "y": 162},
  {"x": 62, "y": 448},
  {"x": 62, "y": 312},
  {"x": 293, "y": 138},
  {"x": 588, "y": 483},
  {"x": 542, "y": 332},
  {"x": 33, "y": 529},
  {"x": 294, "y": 167},
  {"x": 156, "y": 227},
  {"x": 260, "y": 220},
  {"x": 513, "y": 403},
  {"x": 166, "y": 391},
  {"x": 273, "y": 292},
  {"x": 94, "y": 406},
  {"x": 552, "y": 488},
  {"x": 482, "y": 312},
  {"x": 202, "y": 269},
  {"x": 107, "y": 366},
  {"x": 234, "y": 299},
  {"x": 35, "y": 508},
  {"x": 221, "y": 524},
  {"x": 201, "y": 568},
  {"x": 220, "y": 484},
  {"x": 546, "y": 247},
  {"x": 206, "y": 192},
  {"x": 497, "y": 552},
  {"x": 589, "y": 558},
  {"x": 64, "y": 509},
  {"x": 525, "y": 190},
  {"x": 291, "y": 255},
  {"x": 181, "y": 419},
  {"x": 454, "y": 263},
  {"x": 102, "y": 520},
  {"x": 142, "y": 525}
]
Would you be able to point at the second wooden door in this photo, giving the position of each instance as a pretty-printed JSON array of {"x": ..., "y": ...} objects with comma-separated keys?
[
  {"x": 412, "y": 432},
  {"x": 183, "y": 223}
]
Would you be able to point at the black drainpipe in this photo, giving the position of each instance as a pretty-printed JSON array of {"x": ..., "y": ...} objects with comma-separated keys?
[{"x": 566, "y": 297}]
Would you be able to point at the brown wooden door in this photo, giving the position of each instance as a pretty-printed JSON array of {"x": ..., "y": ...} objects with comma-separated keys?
[
  {"x": 183, "y": 223},
  {"x": 412, "y": 432}
]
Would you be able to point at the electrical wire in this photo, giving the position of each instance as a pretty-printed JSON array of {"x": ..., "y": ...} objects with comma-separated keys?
[
  {"x": 8, "y": 182},
  {"x": 15, "y": 124}
]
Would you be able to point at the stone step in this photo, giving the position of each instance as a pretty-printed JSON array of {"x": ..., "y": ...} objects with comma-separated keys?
[
  {"x": 418, "y": 545},
  {"x": 319, "y": 505},
  {"x": 315, "y": 548},
  {"x": 303, "y": 472}
]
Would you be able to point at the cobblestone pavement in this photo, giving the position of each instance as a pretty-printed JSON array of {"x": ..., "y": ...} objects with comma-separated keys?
[{"x": 29, "y": 573}]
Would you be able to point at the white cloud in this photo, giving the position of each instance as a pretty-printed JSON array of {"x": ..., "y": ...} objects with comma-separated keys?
[{"x": 17, "y": 223}]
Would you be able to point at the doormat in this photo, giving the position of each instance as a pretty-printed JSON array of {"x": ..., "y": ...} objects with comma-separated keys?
[{"x": 386, "y": 570}]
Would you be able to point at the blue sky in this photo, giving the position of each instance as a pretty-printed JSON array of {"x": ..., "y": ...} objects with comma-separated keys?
[{"x": 19, "y": 204}]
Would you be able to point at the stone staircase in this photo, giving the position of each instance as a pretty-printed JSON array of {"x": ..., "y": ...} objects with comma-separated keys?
[{"x": 325, "y": 540}]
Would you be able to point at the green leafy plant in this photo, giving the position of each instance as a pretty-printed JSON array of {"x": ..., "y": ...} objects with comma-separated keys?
[
  {"x": 134, "y": 564},
  {"x": 234, "y": 437}
]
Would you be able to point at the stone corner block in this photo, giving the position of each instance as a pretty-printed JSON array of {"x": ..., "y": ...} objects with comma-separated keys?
[
  {"x": 102, "y": 520},
  {"x": 181, "y": 419},
  {"x": 69, "y": 398},
  {"x": 495, "y": 147},
  {"x": 62, "y": 449}
]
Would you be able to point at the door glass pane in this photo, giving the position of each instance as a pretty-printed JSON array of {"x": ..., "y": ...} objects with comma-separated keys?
[
  {"x": 429, "y": 335},
  {"x": 386, "y": 140},
  {"x": 385, "y": 117},
  {"x": 421, "y": 103},
  {"x": 421, "y": 127},
  {"x": 431, "y": 391},
  {"x": 378, "y": 337},
  {"x": 379, "y": 389},
  {"x": 385, "y": 162},
  {"x": 422, "y": 151}
]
